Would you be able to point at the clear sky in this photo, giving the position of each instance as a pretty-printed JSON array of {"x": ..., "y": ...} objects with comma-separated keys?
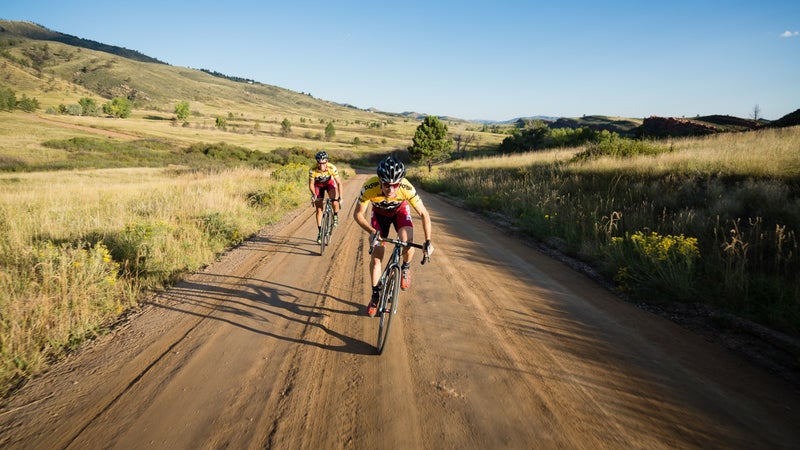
[{"x": 478, "y": 60}]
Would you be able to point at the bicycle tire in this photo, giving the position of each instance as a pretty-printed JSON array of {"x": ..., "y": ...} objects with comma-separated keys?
[
  {"x": 388, "y": 306},
  {"x": 324, "y": 230},
  {"x": 329, "y": 224}
]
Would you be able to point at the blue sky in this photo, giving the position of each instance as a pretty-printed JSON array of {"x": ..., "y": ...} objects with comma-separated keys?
[{"x": 472, "y": 59}]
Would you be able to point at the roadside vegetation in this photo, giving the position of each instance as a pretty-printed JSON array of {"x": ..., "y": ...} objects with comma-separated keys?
[
  {"x": 81, "y": 248},
  {"x": 711, "y": 220}
]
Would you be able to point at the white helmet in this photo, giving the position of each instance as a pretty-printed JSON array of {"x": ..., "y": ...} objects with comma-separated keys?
[{"x": 391, "y": 170}]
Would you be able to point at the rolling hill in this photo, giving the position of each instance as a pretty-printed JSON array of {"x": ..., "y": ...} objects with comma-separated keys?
[
  {"x": 53, "y": 66},
  {"x": 59, "y": 69}
]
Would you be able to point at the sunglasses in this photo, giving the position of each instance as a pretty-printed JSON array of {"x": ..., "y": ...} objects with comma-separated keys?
[{"x": 390, "y": 185}]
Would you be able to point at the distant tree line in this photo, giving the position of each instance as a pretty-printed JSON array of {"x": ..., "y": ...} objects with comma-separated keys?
[
  {"x": 214, "y": 73},
  {"x": 537, "y": 135}
]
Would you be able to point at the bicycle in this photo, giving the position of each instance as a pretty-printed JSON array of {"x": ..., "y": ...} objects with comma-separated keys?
[
  {"x": 390, "y": 285},
  {"x": 326, "y": 225}
]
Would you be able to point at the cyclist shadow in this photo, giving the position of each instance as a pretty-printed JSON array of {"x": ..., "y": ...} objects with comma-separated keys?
[
  {"x": 265, "y": 310},
  {"x": 287, "y": 244},
  {"x": 279, "y": 298}
]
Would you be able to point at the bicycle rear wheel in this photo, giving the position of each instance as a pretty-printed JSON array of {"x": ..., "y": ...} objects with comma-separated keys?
[{"x": 388, "y": 306}]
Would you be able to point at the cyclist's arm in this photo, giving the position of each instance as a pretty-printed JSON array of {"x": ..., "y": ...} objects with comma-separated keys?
[
  {"x": 358, "y": 215},
  {"x": 426, "y": 218},
  {"x": 338, "y": 187},
  {"x": 311, "y": 187}
]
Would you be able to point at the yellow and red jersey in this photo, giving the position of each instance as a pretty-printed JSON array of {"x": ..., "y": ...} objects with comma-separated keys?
[
  {"x": 371, "y": 192},
  {"x": 322, "y": 177}
]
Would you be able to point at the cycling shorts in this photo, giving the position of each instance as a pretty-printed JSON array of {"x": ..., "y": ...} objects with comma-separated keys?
[
  {"x": 320, "y": 188},
  {"x": 400, "y": 217}
]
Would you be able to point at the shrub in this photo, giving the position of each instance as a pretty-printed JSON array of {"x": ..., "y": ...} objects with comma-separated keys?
[{"x": 654, "y": 263}]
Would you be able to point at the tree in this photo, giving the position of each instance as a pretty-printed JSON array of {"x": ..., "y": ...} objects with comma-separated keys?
[
  {"x": 286, "y": 127},
  {"x": 28, "y": 104},
  {"x": 330, "y": 132},
  {"x": 756, "y": 115},
  {"x": 88, "y": 106},
  {"x": 430, "y": 143},
  {"x": 462, "y": 141},
  {"x": 221, "y": 123},
  {"x": 118, "y": 107},
  {"x": 182, "y": 110},
  {"x": 8, "y": 99}
]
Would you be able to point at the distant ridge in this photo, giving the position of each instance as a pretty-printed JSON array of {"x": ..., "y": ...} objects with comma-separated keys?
[
  {"x": 38, "y": 32},
  {"x": 517, "y": 119}
]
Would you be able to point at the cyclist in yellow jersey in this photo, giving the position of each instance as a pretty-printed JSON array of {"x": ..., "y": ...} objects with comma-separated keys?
[
  {"x": 392, "y": 197},
  {"x": 324, "y": 178}
]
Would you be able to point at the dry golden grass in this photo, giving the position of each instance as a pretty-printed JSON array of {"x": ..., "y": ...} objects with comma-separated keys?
[
  {"x": 79, "y": 245},
  {"x": 735, "y": 195},
  {"x": 763, "y": 153}
]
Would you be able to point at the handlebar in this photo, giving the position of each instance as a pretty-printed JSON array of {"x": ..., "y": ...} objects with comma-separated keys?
[{"x": 384, "y": 241}]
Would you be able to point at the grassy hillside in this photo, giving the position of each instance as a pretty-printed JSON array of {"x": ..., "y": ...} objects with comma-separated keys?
[{"x": 59, "y": 74}]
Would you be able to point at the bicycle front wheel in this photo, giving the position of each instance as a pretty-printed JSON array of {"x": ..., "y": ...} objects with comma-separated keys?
[
  {"x": 388, "y": 306},
  {"x": 328, "y": 225},
  {"x": 325, "y": 223}
]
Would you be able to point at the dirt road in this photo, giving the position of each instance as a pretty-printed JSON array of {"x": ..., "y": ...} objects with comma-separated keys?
[{"x": 496, "y": 346}]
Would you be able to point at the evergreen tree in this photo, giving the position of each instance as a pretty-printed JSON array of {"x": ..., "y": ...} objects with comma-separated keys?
[
  {"x": 330, "y": 132},
  {"x": 286, "y": 127},
  {"x": 430, "y": 143},
  {"x": 8, "y": 99}
]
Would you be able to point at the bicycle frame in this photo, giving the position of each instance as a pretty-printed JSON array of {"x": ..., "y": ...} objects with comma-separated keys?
[{"x": 390, "y": 287}]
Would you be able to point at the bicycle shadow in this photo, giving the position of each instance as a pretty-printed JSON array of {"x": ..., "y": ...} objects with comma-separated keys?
[{"x": 265, "y": 310}]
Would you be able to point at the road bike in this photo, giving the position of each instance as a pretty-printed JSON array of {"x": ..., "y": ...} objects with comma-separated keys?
[
  {"x": 390, "y": 285},
  {"x": 326, "y": 225}
]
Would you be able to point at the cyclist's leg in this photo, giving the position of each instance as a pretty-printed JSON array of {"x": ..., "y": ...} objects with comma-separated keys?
[
  {"x": 331, "y": 188},
  {"x": 319, "y": 203},
  {"x": 375, "y": 265},
  {"x": 405, "y": 229},
  {"x": 382, "y": 224}
]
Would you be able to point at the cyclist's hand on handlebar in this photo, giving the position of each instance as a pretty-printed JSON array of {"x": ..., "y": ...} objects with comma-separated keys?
[
  {"x": 374, "y": 239},
  {"x": 427, "y": 250}
]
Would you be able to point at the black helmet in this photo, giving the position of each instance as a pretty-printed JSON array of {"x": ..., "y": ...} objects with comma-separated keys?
[
  {"x": 391, "y": 170},
  {"x": 321, "y": 156}
]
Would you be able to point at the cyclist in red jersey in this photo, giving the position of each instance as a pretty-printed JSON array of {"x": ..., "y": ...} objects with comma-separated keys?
[
  {"x": 392, "y": 196},
  {"x": 324, "y": 178}
]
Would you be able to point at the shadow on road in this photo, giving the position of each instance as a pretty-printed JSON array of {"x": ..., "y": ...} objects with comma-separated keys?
[{"x": 264, "y": 307}]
